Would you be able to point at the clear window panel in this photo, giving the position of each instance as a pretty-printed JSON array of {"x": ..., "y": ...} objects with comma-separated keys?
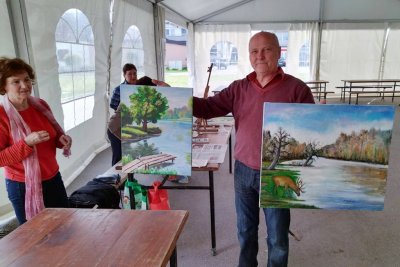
[
  {"x": 69, "y": 115},
  {"x": 89, "y": 83},
  {"x": 79, "y": 111},
  {"x": 89, "y": 106},
  {"x": 67, "y": 88},
  {"x": 79, "y": 82}
]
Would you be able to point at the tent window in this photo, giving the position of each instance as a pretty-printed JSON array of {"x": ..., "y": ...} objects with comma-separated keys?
[
  {"x": 76, "y": 67},
  {"x": 224, "y": 56},
  {"x": 132, "y": 49},
  {"x": 176, "y": 55},
  {"x": 304, "y": 55}
]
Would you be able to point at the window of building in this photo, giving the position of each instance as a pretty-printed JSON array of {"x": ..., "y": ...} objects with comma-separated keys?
[
  {"x": 224, "y": 56},
  {"x": 304, "y": 55},
  {"x": 76, "y": 67},
  {"x": 132, "y": 49},
  {"x": 176, "y": 55}
]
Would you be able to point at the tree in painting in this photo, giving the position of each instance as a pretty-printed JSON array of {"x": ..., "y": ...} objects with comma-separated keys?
[
  {"x": 126, "y": 116},
  {"x": 311, "y": 150},
  {"x": 276, "y": 146},
  {"x": 147, "y": 105}
]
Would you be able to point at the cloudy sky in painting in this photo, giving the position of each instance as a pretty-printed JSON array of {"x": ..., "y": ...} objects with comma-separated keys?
[
  {"x": 324, "y": 123},
  {"x": 177, "y": 96}
]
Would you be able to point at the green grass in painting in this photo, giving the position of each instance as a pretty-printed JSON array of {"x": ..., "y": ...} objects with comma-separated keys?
[
  {"x": 278, "y": 196},
  {"x": 157, "y": 171},
  {"x": 132, "y": 132}
]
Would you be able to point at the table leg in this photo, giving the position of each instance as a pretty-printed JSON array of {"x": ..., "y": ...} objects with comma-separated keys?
[
  {"x": 173, "y": 262},
  {"x": 349, "y": 98},
  {"x": 230, "y": 153},
  {"x": 131, "y": 194},
  {"x": 394, "y": 90},
  {"x": 212, "y": 212}
]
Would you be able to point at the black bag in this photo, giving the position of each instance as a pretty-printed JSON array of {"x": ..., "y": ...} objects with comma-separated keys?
[{"x": 95, "y": 192}]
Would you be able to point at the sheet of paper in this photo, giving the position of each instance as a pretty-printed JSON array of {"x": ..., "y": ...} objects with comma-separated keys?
[
  {"x": 213, "y": 153},
  {"x": 199, "y": 163}
]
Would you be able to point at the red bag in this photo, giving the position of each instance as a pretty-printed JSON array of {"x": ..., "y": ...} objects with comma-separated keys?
[{"x": 158, "y": 198}]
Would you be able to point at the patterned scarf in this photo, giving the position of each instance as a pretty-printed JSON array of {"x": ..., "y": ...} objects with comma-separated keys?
[{"x": 19, "y": 130}]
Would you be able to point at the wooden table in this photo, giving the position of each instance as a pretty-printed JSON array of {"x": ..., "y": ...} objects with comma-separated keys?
[
  {"x": 94, "y": 237},
  {"x": 370, "y": 83},
  {"x": 318, "y": 88}
]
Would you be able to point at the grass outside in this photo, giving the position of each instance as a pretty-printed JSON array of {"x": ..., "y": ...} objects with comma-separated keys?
[{"x": 181, "y": 78}]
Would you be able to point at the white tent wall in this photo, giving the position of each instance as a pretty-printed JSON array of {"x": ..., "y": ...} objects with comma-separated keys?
[
  {"x": 268, "y": 11},
  {"x": 208, "y": 35},
  {"x": 391, "y": 67},
  {"x": 351, "y": 51},
  {"x": 7, "y": 49},
  {"x": 361, "y": 10},
  {"x": 140, "y": 14},
  {"x": 43, "y": 17},
  {"x": 301, "y": 34},
  {"x": 7, "y": 44}
]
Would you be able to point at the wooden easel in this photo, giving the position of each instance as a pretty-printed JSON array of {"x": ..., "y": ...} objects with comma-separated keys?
[{"x": 202, "y": 123}]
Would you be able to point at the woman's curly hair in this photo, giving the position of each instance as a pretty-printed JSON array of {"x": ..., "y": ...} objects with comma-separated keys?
[{"x": 13, "y": 66}]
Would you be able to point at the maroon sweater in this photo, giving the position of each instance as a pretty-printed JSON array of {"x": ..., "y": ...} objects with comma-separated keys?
[{"x": 245, "y": 99}]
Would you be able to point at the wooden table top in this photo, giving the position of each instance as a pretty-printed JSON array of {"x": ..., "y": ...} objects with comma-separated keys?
[
  {"x": 316, "y": 82},
  {"x": 372, "y": 81},
  {"x": 94, "y": 237}
]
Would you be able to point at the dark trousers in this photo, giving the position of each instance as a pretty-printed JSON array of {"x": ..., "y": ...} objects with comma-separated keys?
[
  {"x": 247, "y": 188},
  {"x": 54, "y": 195},
  {"x": 115, "y": 147}
]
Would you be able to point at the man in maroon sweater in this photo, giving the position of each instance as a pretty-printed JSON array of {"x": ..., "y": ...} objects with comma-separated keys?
[{"x": 244, "y": 99}]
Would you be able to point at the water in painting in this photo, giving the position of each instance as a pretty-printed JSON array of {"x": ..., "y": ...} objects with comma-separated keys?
[{"x": 325, "y": 156}]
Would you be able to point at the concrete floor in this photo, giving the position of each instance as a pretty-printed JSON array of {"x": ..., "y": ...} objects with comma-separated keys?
[{"x": 328, "y": 238}]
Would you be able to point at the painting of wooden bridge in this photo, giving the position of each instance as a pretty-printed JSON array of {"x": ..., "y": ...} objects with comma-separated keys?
[{"x": 146, "y": 161}]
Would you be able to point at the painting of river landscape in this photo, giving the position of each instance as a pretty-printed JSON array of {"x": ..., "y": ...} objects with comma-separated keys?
[
  {"x": 325, "y": 156},
  {"x": 156, "y": 130}
]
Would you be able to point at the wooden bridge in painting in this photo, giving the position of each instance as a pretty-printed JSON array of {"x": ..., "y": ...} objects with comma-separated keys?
[{"x": 146, "y": 161}]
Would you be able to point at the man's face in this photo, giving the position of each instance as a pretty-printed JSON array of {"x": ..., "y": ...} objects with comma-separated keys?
[{"x": 264, "y": 53}]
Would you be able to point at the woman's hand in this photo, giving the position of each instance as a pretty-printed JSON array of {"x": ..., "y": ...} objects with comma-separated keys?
[
  {"x": 66, "y": 141},
  {"x": 160, "y": 83},
  {"x": 36, "y": 138}
]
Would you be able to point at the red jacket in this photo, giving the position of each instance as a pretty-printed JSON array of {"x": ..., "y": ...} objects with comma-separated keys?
[{"x": 12, "y": 154}]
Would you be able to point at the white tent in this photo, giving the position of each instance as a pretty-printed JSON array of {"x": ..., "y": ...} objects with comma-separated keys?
[{"x": 343, "y": 39}]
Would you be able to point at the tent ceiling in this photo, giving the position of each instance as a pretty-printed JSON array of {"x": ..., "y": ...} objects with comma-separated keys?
[
  {"x": 254, "y": 11},
  {"x": 195, "y": 10}
]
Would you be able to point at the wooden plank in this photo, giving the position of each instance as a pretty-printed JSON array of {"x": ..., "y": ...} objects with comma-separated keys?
[{"x": 146, "y": 161}]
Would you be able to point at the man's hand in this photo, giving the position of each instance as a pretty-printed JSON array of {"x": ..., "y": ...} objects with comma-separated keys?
[
  {"x": 36, "y": 138},
  {"x": 160, "y": 83}
]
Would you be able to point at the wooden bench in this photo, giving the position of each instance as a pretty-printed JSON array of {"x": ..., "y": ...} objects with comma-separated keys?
[
  {"x": 380, "y": 94},
  {"x": 324, "y": 94},
  {"x": 362, "y": 91}
]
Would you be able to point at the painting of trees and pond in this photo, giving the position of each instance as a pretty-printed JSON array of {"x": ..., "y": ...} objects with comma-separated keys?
[
  {"x": 325, "y": 156},
  {"x": 156, "y": 130}
]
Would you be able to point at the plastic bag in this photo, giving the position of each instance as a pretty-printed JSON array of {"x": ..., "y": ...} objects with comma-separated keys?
[
  {"x": 134, "y": 193},
  {"x": 158, "y": 198}
]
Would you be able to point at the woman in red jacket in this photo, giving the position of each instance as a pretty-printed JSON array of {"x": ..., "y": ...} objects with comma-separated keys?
[{"x": 29, "y": 136}]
